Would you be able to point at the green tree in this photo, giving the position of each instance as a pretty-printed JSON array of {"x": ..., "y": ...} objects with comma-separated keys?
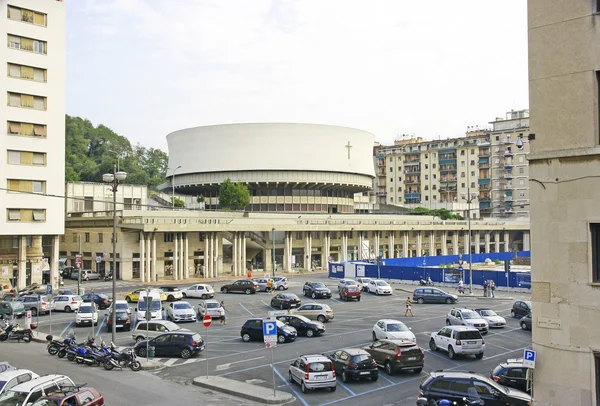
[
  {"x": 233, "y": 195},
  {"x": 443, "y": 214},
  {"x": 178, "y": 202}
]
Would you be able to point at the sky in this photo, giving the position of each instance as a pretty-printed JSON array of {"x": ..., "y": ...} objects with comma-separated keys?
[{"x": 145, "y": 68}]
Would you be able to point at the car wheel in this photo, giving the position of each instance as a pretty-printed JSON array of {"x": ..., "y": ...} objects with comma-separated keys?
[
  {"x": 67, "y": 309},
  {"x": 448, "y": 322},
  {"x": 358, "y": 299},
  {"x": 313, "y": 295},
  {"x": 248, "y": 291},
  {"x": 281, "y": 339},
  {"x": 280, "y": 287},
  {"x": 418, "y": 370},
  {"x": 142, "y": 352},
  {"x": 87, "y": 279},
  {"x": 374, "y": 336},
  {"x": 281, "y": 305},
  {"x": 420, "y": 300},
  {"x": 170, "y": 298},
  {"x": 321, "y": 318},
  {"x": 185, "y": 353},
  {"x": 290, "y": 377},
  {"x": 451, "y": 353},
  {"x": 225, "y": 290},
  {"x": 344, "y": 376},
  {"x": 303, "y": 387},
  {"x": 432, "y": 345},
  {"x": 128, "y": 299},
  {"x": 388, "y": 368},
  {"x": 139, "y": 339},
  {"x": 34, "y": 312},
  {"x": 310, "y": 332},
  {"x": 377, "y": 293},
  {"x": 374, "y": 377},
  {"x": 246, "y": 337},
  {"x": 513, "y": 314},
  {"x": 523, "y": 325},
  {"x": 479, "y": 356},
  {"x": 201, "y": 296},
  {"x": 333, "y": 388}
]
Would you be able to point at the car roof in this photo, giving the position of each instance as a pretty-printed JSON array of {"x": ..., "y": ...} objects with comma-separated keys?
[
  {"x": 30, "y": 385},
  {"x": 315, "y": 358},
  {"x": 462, "y": 328},
  {"x": 70, "y": 391},
  {"x": 179, "y": 332},
  {"x": 484, "y": 308},
  {"x": 122, "y": 302},
  {"x": 6, "y": 375},
  {"x": 388, "y": 321},
  {"x": 355, "y": 351},
  {"x": 514, "y": 362},
  {"x": 398, "y": 341},
  {"x": 211, "y": 301},
  {"x": 462, "y": 309},
  {"x": 456, "y": 374}
]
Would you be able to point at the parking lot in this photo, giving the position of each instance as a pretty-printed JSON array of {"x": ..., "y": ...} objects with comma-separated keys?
[{"x": 250, "y": 362}]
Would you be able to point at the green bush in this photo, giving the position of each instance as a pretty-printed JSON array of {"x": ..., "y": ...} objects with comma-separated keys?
[{"x": 497, "y": 262}]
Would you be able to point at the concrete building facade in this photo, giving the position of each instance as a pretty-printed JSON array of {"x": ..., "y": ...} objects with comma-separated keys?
[
  {"x": 32, "y": 147},
  {"x": 564, "y": 88}
]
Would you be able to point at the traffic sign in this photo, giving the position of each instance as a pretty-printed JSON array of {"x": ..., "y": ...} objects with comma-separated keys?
[
  {"x": 269, "y": 331},
  {"x": 460, "y": 268},
  {"x": 207, "y": 321},
  {"x": 270, "y": 344},
  {"x": 98, "y": 260},
  {"x": 148, "y": 302},
  {"x": 78, "y": 261},
  {"x": 529, "y": 358},
  {"x": 48, "y": 289}
]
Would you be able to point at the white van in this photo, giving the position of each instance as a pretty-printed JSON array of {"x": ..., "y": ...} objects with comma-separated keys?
[
  {"x": 155, "y": 307},
  {"x": 30, "y": 391}
]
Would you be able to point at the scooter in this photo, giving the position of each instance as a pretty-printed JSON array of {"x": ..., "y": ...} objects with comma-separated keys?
[
  {"x": 124, "y": 359},
  {"x": 424, "y": 282},
  {"x": 108, "y": 277},
  {"x": 15, "y": 333}
]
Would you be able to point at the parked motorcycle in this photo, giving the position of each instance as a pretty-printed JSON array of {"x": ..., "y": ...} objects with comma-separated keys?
[
  {"x": 16, "y": 333},
  {"x": 124, "y": 359},
  {"x": 108, "y": 277},
  {"x": 425, "y": 282}
]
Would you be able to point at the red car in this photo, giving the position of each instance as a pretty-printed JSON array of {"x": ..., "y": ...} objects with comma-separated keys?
[
  {"x": 349, "y": 293},
  {"x": 72, "y": 396}
]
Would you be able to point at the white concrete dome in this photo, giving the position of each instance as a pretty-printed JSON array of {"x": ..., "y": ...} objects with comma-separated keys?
[{"x": 275, "y": 160}]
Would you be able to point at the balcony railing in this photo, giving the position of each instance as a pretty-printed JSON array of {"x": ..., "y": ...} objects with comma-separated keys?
[
  {"x": 483, "y": 182},
  {"x": 447, "y": 161},
  {"x": 412, "y": 196},
  {"x": 411, "y": 181}
]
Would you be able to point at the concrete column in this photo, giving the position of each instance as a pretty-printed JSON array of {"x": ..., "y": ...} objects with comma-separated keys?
[
  {"x": 148, "y": 259},
  {"x": 182, "y": 255},
  {"x": 444, "y": 245},
  {"x": 234, "y": 254},
  {"x": 344, "y": 247},
  {"x": 268, "y": 265},
  {"x": 391, "y": 253},
  {"x": 53, "y": 262},
  {"x": 526, "y": 241},
  {"x": 186, "y": 262},
  {"x": 244, "y": 262},
  {"x": 206, "y": 254},
  {"x": 154, "y": 276},
  {"x": 507, "y": 241},
  {"x": 22, "y": 265},
  {"x": 175, "y": 256},
  {"x": 432, "y": 250},
  {"x": 497, "y": 241},
  {"x": 376, "y": 245},
  {"x": 211, "y": 255},
  {"x": 455, "y": 242},
  {"x": 217, "y": 254},
  {"x": 420, "y": 244},
  {"x": 486, "y": 237},
  {"x": 142, "y": 257},
  {"x": 405, "y": 250},
  {"x": 477, "y": 241}
]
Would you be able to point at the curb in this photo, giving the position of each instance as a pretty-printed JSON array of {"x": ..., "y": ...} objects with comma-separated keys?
[
  {"x": 243, "y": 390},
  {"x": 151, "y": 365}
]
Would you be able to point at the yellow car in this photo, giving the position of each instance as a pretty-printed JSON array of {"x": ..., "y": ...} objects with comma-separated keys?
[{"x": 135, "y": 295}]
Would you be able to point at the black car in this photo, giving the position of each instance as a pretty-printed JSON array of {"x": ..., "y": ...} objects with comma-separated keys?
[
  {"x": 169, "y": 290},
  {"x": 285, "y": 301},
  {"x": 303, "y": 325},
  {"x": 520, "y": 308},
  {"x": 253, "y": 330},
  {"x": 102, "y": 301},
  {"x": 123, "y": 321},
  {"x": 353, "y": 364},
  {"x": 513, "y": 374},
  {"x": 525, "y": 322},
  {"x": 454, "y": 386},
  {"x": 176, "y": 343},
  {"x": 246, "y": 286},
  {"x": 316, "y": 290},
  {"x": 433, "y": 295}
]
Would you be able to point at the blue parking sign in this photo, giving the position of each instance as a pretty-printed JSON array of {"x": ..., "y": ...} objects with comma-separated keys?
[
  {"x": 529, "y": 358},
  {"x": 48, "y": 289},
  {"x": 269, "y": 328}
]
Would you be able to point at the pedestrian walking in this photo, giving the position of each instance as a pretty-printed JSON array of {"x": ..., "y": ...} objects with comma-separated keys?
[
  {"x": 408, "y": 307},
  {"x": 270, "y": 286},
  {"x": 493, "y": 288},
  {"x": 485, "y": 288},
  {"x": 223, "y": 312}
]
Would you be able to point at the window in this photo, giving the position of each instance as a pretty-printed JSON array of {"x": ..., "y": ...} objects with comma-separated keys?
[
  {"x": 28, "y": 215},
  {"x": 472, "y": 162},
  {"x": 26, "y": 101},
  {"x": 391, "y": 169},
  {"x": 462, "y": 151},
  {"x": 595, "y": 238},
  {"x": 597, "y": 374},
  {"x": 462, "y": 163},
  {"x": 399, "y": 178},
  {"x": 168, "y": 237},
  {"x": 426, "y": 177},
  {"x": 497, "y": 160},
  {"x": 391, "y": 200},
  {"x": 434, "y": 176},
  {"x": 473, "y": 185},
  {"x": 26, "y": 72},
  {"x": 426, "y": 198},
  {"x": 472, "y": 173},
  {"x": 298, "y": 235},
  {"x": 462, "y": 174},
  {"x": 391, "y": 179},
  {"x": 399, "y": 168},
  {"x": 26, "y": 16},
  {"x": 88, "y": 203},
  {"x": 28, "y": 129},
  {"x": 522, "y": 182},
  {"x": 399, "y": 188},
  {"x": 426, "y": 187},
  {"x": 434, "y": 197},
  {"x": 434, "y": 187},
  {"x": 26, "y": 186},
  {"x": 433, "y": 166},
  {"x": 462, "y": 185},
  {"x": 472, "y": 152},
  {"x": 521, "y": 170},
  {"x": 87, "y": 237},
  {"x": 100, "y": 237}
]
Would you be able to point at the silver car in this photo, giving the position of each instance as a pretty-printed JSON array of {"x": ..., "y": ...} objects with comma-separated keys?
[
  {"x": 210, "y": 307},
  {"x": 315, "y": 311},
  {"x": 281, "y": 282},
  {"x": 262, "y": 283},
  {"x": 35, "y": 303},
  {"x": 313, "y": 372}
]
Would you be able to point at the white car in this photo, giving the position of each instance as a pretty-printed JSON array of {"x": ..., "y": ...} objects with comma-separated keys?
[
  {"x": 392, "y": 329},
  {"x": 86, "y": 315},
  {"x": 123, "y": 306},
  {"x": 363, "y": 282},
  {"x": 458, "y": 340},
  {"x": 199, "y": 290},
  {"x": 280, "y": 282},
  {"x": 466, "y": 317},
  {"x": 379, "y": 287},
  {"x": 181, "y": 311},
  {"x": 346, "y": 282},
  {"x": 8, "y": 379},
  {"x": 492, "y": 318},
  {"x": 211, "y": 307},
  {"x": 67, "y": 303}
]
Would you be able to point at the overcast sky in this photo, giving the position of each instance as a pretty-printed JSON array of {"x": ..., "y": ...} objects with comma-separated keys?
[{"x": 431, "y": 68}]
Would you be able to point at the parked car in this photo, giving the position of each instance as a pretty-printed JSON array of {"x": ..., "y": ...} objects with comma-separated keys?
[
  {"x": 30, "y": 391},
  {"x": 34, "y": 303},
  {"x": 253, "y": 330},
  {"x": 262, "y": 283},
  {"x": 12, "y": 308},
  {"x": 67, "y": 303},
  {"x": 123, "y": 321},
  {"x": 240, "y": 286},
  {"x": 66, "y": 272},
  {"x": 392, "y": 329},
  {"x": 397, "y": 355},
  {"x": 5, "y": 366},
  {"x": 315, "y": 311},
  {"x": 513, "y": 374},
  {"x": 350, "y": 293},
  {"x": 469, "y": 385},
  {"x": 199, "y": 290},
  {"x": 316, "y": 290},
  {"x": 467, "y": 317},
  {"x": 433, "y": 295},
  {"x": 211, "y": 307},
  {"x": 181, "y": 311},
  {"x": 303, "y": 325},
  {"x": 184, "y": 344},
  {"x": 86, "y": 275},
  {"x": 458, "y": 340},
  {"x": 285, "y": 301},
  {"x": 87, "y": 314},
  {"x": 313, "y": 372},
  {"x": 521, "y": 308},
  {"x": 14, "y": 377},
  {"x": 154, "y": 328},
  {"x": 362, "y": 283},
  {"x": 379, "y": 287},
  {"x": 353, "y": 364},
  {"x": 346, "y": 282},
  {"x": 173, "y": 293},
  {"x": 101, "y": 300},
  {"x": 122, "y": 305},
  {"x": 492, "y": 318},
  {"x": 525, "y": 322},
  {"x": 280, "y": 282},
  {"x": 76, "y": 396}
]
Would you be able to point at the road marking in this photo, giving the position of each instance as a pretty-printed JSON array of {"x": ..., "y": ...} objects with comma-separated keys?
[
  {"x": 244, "y": 307},
  {"x": 68, "y": 325},
  {"x": 226, "y": 366},
  {"x": 383, "y": 377},
  {"x": 346, "y": 388},
  {"x": 171, "y": 361},
  {"x": 373, "y": 390},
  {"x": 100, "y": 327},
  {"x": 189, "y": 361},
  {"x": 289, "y": 385},
  {"x": 444, "y": 358}
]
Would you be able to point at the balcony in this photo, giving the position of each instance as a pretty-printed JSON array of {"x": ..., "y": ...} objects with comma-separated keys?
[
  {"x": 448, "y": 168},
  {"x": 412, "y": 181},
  {"x": 508, "y": 187},
  {"x": 508, "y": 166},
  {"x": 446, "y": 179},
  {"x": 484, "y": 166},
  {"x": 380, "y": 162},
  {"x": 447, "y": 161},
  {"x": 507, "y": 176},
  {"x": 485, "y": 187},
  {"x": 415, "y": 169},
  {"x": 485, "y": 198},
  {"x": 381, "y": 193},
  {"x": 412, "y": 161},
  {"x": 484, "y": 205},
  {"x": 448, "y": 188},
  {"x": 408, "y": 196},
  {"x": 448, "y": 151},
  {"x": 483, "y": 181}
]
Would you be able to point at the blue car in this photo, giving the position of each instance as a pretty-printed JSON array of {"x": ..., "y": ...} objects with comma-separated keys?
[
  {"x": 182, "y": 344},
  {"x": 253, "y": 330}
]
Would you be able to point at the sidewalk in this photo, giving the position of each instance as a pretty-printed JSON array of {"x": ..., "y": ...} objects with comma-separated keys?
[
  {"x": 243, "y": 390},
  {"x": 501, "y": 292}
]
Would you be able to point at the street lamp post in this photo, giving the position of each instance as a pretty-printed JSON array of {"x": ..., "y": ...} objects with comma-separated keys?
[
  {"x": 470, "y": 197},
  {"x": 173, "y": 184},
  {"x": 114, "y": 179}
]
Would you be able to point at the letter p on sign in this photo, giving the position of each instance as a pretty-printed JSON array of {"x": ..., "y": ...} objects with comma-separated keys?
[{"x": 269, "y": 328}]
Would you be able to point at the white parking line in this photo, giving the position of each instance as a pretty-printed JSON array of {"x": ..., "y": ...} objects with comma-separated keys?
[
  {"x": 171, "y": 361},
  {"x": 226, "y": 366}
]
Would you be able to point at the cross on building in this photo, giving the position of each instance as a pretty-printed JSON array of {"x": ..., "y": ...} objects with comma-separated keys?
[{"x": 348, "y": 146}]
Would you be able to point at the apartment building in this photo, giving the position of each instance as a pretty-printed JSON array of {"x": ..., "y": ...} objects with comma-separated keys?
[
  {"x": 484, "y": 167},
  {"x": 33, "y": 145},
  {"x": 564, "y": 89}
]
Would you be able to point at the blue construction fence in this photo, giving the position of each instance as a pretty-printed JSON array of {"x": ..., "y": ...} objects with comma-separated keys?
[{"x": 453, "y": 259}]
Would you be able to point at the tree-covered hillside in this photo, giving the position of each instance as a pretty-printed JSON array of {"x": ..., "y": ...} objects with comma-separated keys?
[{"x": 92, "y": 151}]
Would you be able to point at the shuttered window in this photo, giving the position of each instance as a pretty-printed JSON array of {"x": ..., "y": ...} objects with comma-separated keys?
[
  {"x": 14, "y": 128},
  {"x": 14, "y": 214},
  {"x": 39, "y": 215},
  {"x": 22, "y": 215},
  {"x": 14, "y": 42},
  {"x": 14, "y": 13},
  {"x": 14, "y": 70},
  {"x": 39, "y": 103},
  {"x": 39, "y": 75},
  {"x": 39, "y": 158},
  {"x": 27, "y": 129},
  {"x": 27, "y": 16},
  {"x": 39, "y": 19},
  {"x": 14, "y": 157},
  {"x": 27, "y": 44},
  {"x": 26, "y": 215},
  {"x": 27, "y": 100},
  {"x": 26, "y": 158},
  {"x": 26, "y": 72},
  {"x": 39, "y": 130},
  {"x": 14, "y": 99}
]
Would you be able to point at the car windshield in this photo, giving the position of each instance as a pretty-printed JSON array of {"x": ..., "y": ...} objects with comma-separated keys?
[
  {"x": 122, "y": 314},
  {"x": 171, "y": 326},
  {"x": 470, "y": 315},
  {"x": 397, "y": 327},
  {"x": 361, "y": 357},
  {"x": 290, "y": 296},
  {"x": 280, "y": 323},
  {"x": 122, "y": 306},
  {"x": 212, "y": 305},
  {"x": 487, "y": 313},
  {"x": 440, "y": 292},
  {"x": 173, "y": 289},
  {"x": 350, "y": 282},
  {"x": 155, "y": 305},
  {"x": 2, "y": 383},
  {"x": 469, "y": 335},
  {"x": 319, "y": 367},
  {"x": 304, "y": 319},
  {"x": 46, "y": 402},
  {"x": 318, "y": 285},
  {"x": 101, "y": 296},
  {"x": 86, "y": 309},
  {"x": 12, "y": 398},
  {"x": 182, "y": 306},
  {"x": 77, "y": 299},
  {"x": 381, "y": 283}
]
